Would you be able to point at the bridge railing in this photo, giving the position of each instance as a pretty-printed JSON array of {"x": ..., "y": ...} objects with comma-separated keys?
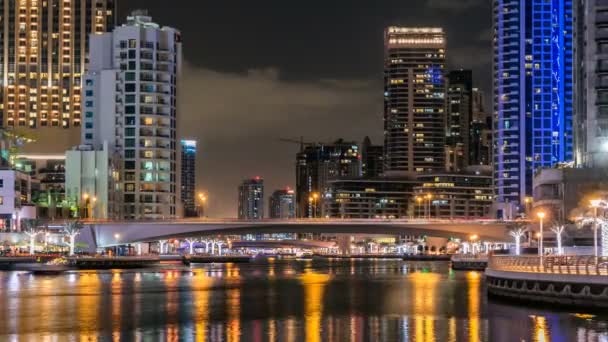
[
  {"x": 558, "y": 264},
  {"x": 295, "y": 220}
]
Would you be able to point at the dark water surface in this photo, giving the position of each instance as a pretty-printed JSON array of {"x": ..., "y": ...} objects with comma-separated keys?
[{"x": 277, "y": 301}]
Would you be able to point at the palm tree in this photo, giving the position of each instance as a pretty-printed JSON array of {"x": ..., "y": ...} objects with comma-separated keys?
[
  {"x": 72, "y": 229},
  {"x": 558, "y": 229},
  {"x": 32, "y": 229},
  {"x": 518, "y": 233}
]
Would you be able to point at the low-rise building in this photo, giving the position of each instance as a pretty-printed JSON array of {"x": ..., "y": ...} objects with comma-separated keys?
[
  {"x": 368, "y": 198},
  {"x": 15, "y": 199},
  {"x": 47, "y": 172},
  {"x": 462, "y": 195},
  {"x": 92, "y": 182},
  {"x": 561, "y": 190}
]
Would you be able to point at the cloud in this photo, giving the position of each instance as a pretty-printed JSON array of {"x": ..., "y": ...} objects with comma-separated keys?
[
  {"x": 239, "y": 118},
  {"x": 454, "y": 5}
]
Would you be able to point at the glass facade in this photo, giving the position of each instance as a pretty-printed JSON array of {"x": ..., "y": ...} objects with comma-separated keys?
[
  {"x": 188, "y": 177},
  {"x": 533, "y": 56},
  {"x": 251, "y": 199},
  {"x": 414, "y": 99}
]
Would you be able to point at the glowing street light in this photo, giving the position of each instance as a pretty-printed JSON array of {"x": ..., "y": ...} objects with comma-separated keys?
[
  {"x": 595, "y": 204},
  {"x": 429, "y": 197},
  {"x": 203, "y": 199},
  {"x": 314, "y": 199},
  {"x": 541, "y": 216}
]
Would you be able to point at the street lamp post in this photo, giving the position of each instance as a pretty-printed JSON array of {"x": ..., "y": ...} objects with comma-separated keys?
[
  {"x": 527, "y": 201},
  {"x": 313, "y": 200},
  {"x": 595, "y": 204},
  {"x": 541, "y": 216},
  {"x": 418, "y": 200},
  {"x": 85, "y": 197}
]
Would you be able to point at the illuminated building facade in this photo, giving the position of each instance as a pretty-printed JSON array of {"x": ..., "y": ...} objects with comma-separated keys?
[
  {"x": 368, "y": 198},
  {"x": 282, "y": 204},
  {"x": 91, "y": 182},
  {"x": 459, "y": 113},
  {"x": 372, "y": 159},
  {"x": 251, "y": 199},
  {"x": 188, "y": 177},
  {"x": 414, "y": 99},
  {"x": 533, "y": 84},
  {"x": 130, "y": 102},
  {"x": 43, "y": 54},
  {"x": 48, "y": 173},
  {"x": 15, "y": 200},
  {"x": 460, "y": 195},
  {"x": 315, "y": 166}
]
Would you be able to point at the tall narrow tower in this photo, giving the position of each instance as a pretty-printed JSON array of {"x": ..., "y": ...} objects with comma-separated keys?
[
  {"x": 130, "y": 101},
  {"x": 414, "y": 99},
  {"x": 533, "y": 86}
]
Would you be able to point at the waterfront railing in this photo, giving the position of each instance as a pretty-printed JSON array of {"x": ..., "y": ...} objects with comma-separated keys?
[{"x": 554, "y": 264}]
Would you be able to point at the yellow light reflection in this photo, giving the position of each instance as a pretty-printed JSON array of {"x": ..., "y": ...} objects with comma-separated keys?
[
  {"x": 116, "y": 298},
  {"x": 452, "y": 329},
  {"x": 290, "y": 330},
  {"x": 88, "y": 289},
  {"x": 313, "y": 284},
  {"x": 201, "y": 284},
  {"x": 171, "y": 285},
  {"x": 424, "y": 294},
  {"x": 473, "y": 282},
  {"x": 233, "y": 328},
  {"x": 541, "y": 331}
]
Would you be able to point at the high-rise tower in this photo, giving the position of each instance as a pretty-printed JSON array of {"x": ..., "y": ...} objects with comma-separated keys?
[
  {"x": 130, "y": 101},
  {"x": 532, "y": 92},
  {"x": 188, "y": 177},
  {"x": 43, "y": 54},
  {"x": 414, "y": 99},
  {"x": 591, "y": 95},
  {"x": 458, "y": 117},
  {"x": 251, "y": 199}
]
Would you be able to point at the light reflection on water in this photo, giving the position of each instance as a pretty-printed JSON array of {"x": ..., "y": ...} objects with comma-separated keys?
[{"x": 277, "y": 301}]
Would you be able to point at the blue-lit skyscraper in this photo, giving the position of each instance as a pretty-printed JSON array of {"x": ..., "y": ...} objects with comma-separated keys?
[{"x": 533, "y": 57}]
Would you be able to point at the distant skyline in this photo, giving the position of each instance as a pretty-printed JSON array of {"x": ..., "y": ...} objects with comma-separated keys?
[{"x": 255, "y": 73}]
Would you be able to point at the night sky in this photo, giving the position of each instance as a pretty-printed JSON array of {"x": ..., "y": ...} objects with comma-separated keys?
[{"x": 258, "y": 71}]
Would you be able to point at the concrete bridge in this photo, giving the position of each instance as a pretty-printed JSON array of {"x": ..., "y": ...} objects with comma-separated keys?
[{"x": 107, "y": 234}]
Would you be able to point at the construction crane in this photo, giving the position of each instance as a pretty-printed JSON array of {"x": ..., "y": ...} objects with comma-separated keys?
[{"x": 300, "y": 142}]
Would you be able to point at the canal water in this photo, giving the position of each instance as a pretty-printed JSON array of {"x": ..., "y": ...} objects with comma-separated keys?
[{"x": 277, "y": 300}]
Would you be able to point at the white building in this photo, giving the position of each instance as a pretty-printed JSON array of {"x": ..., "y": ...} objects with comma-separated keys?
[
  {"x": 15, "y": 199},
  {"x": 92, "y": 182},
  {"x": 130, "y": 102}
]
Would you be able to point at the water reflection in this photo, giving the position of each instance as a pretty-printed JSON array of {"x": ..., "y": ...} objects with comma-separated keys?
[{"x": 277, "y": 301}]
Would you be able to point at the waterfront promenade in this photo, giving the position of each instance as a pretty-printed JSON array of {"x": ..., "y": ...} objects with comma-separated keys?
[{"x": 567, "y": 280}]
